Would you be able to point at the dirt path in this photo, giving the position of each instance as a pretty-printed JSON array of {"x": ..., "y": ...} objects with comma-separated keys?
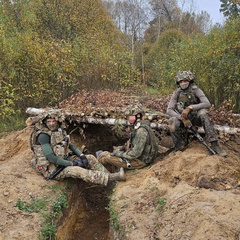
[{"x": 200, "y": 191}]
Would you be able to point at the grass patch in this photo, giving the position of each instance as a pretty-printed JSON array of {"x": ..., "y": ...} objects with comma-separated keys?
[
  {"x": 50, "y": 208},
  {"x": 35, "y": 205},
  {"x": 114, "y": 219}
]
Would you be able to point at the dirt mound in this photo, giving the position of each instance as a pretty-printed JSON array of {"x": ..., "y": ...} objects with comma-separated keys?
[{"x": 186, "y": 195}]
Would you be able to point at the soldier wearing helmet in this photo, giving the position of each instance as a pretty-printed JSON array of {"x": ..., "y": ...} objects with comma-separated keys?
[
  {"x": 140, "y": 150},
  {"x": 189, "y": 106},
  {"x": 52, "y": 149}
]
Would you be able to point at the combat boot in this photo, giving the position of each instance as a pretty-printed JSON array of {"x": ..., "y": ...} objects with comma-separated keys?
[
  {"x": 119, "y": 176},
  {"x": 215, "y": 146}
]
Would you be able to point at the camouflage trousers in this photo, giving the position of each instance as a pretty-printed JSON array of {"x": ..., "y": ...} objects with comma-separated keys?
[
  {"x": 178, "y": 131},
  {"x": 96, "y": 173},
  {"x": 107, "y": 159}
]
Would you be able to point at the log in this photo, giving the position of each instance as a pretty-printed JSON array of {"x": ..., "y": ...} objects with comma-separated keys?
[{"x": 114, "y": 121}]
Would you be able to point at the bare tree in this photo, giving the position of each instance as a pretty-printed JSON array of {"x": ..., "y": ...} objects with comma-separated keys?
[{"x": 163, "y": 12}]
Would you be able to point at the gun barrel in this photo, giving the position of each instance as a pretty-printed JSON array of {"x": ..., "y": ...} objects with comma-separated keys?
[
  {"x": 128, "y": 163},
  {"x": 198, "y": 136}
]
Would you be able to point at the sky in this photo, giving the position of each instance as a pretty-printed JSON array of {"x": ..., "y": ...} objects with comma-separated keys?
[{"x": 212, "y": 7}]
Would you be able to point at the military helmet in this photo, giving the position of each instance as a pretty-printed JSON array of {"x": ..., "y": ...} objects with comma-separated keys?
[
  {"x": 52, "y": 113},
  {"x": 184, "y": 75},
  {"x": 134, "y": 109}
]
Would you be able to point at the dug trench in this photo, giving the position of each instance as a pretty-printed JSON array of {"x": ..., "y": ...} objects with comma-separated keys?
[{"x": 87, "y": 216}]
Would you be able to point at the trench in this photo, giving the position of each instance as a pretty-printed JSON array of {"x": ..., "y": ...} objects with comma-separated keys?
[{"x": 87, "y": 217}]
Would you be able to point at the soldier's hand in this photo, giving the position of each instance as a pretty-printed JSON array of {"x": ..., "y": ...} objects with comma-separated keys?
[
  {"x": 187, "y": 123},
  {"x": 84, "y": 160},
  {"x": 121, "y": 148},
  {"x": 77, "y": 163},
  {"x": 185, "y": 113},
  {"x": 117, "y": 153}
]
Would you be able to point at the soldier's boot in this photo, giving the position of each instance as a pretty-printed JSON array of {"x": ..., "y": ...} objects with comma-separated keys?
[
  {"x": 215, "y": 146},
  {"x": 119, "y": 176}
]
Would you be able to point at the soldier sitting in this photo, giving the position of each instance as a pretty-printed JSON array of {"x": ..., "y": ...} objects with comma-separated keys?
[
  {"x": 141, "y": 149},
  {"x": 188, "y": 106},
  {"x": 51, "y": 146}
]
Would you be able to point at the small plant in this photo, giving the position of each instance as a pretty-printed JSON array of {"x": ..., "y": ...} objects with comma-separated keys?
[
  {"x": 161, "y": 202},
  {"x": 36, "y": 205},
  {"x": 114, "y": 221},
  {"x": 49, "y": 228},
  {"x": 49, "y": 213}
]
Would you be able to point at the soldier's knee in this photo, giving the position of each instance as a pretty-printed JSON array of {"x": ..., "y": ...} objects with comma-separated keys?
[
  {"x": 103, "y": 157},
  {"x": 202, "y": 113},
  {"x": 174, "y": 124}
]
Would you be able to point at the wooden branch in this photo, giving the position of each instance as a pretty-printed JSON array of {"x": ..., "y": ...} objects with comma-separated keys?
[{"x": 113, "y": 121}]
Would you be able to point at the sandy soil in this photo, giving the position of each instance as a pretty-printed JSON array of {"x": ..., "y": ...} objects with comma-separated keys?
[{"x": 201, "y": 193}]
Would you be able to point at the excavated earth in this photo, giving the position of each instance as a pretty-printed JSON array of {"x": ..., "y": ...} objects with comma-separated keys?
[{"x": 189, "y": 195}]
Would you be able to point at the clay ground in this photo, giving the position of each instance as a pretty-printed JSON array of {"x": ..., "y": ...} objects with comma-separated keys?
[{"x": 188, "y": 195}]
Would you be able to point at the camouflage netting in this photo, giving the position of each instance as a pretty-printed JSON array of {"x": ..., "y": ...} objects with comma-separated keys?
[
  {"x": 108, "y": 104},
  {"x": 105, "y": 104}
]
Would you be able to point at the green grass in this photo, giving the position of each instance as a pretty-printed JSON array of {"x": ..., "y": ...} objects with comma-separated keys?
[
  {"x": 49, "y": 207},
  {"x": 114, "y": 218},
  {"x": 35, "y": 205},
  {"x": 161, "y": 202}
]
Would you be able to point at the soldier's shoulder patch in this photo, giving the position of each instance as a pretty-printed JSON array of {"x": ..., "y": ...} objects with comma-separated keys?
[{"x": 137, "y": 126}]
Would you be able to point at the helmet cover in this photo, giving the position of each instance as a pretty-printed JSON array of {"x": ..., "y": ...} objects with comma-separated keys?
[
  {"x": 134, "y": 109},
  {"x": 184, "y": 75}
]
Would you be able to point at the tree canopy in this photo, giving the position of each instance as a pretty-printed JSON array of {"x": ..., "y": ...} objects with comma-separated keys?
[{"x": 52, "y": 49}]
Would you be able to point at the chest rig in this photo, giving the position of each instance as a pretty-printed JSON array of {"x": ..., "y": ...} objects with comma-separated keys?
[
  {"x": 186, "y": 98},
  {"x": 39, "y": 162}
]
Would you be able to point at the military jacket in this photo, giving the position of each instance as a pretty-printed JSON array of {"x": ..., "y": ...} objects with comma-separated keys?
[
  {"x": 181, "y": 99},
  {"x": 143, "y": 143}
]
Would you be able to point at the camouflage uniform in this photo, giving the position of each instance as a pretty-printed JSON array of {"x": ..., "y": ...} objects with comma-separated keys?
[
  {"x": 143, "y": 149},
  {"x": 182, "y": 99},
  {"x": 98, "y": 173}
]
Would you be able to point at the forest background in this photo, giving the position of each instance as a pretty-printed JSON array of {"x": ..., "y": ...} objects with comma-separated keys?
[{"x": 53, "y": 49}]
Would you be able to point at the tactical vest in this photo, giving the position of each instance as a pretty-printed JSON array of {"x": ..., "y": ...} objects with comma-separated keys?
[
  {"x": 186, "y": 98},
  {"x": 39, "y": 162},
  {"x": 151, "y": 147}
]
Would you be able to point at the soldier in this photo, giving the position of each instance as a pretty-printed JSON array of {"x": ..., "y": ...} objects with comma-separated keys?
[
  {"x": 188, "y": 106},
  {"x": 140, "y": 150},
  {"x": 51, "y": 146}
]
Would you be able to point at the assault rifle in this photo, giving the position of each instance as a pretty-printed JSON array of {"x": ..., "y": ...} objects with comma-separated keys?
[
  {"x": 55, "y": 173},
  {"x": 201, "y": 140}
]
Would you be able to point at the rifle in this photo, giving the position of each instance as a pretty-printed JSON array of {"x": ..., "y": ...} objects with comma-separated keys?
[
  {"x": 55, "y": 173},
  {"x": 127, "y": 162},
  {"x": 201, "y": 140}
]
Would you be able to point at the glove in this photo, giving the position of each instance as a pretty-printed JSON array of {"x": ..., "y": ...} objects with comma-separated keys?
[
  {"x": 185, "y": 113},
  {"x": 117, "y": 153},
  {"x": 84, "y": 160},
  {"x": 66, "y": 139},
  {"x": 187, "y": 123},
  {"x": 78, "y": 163}
]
